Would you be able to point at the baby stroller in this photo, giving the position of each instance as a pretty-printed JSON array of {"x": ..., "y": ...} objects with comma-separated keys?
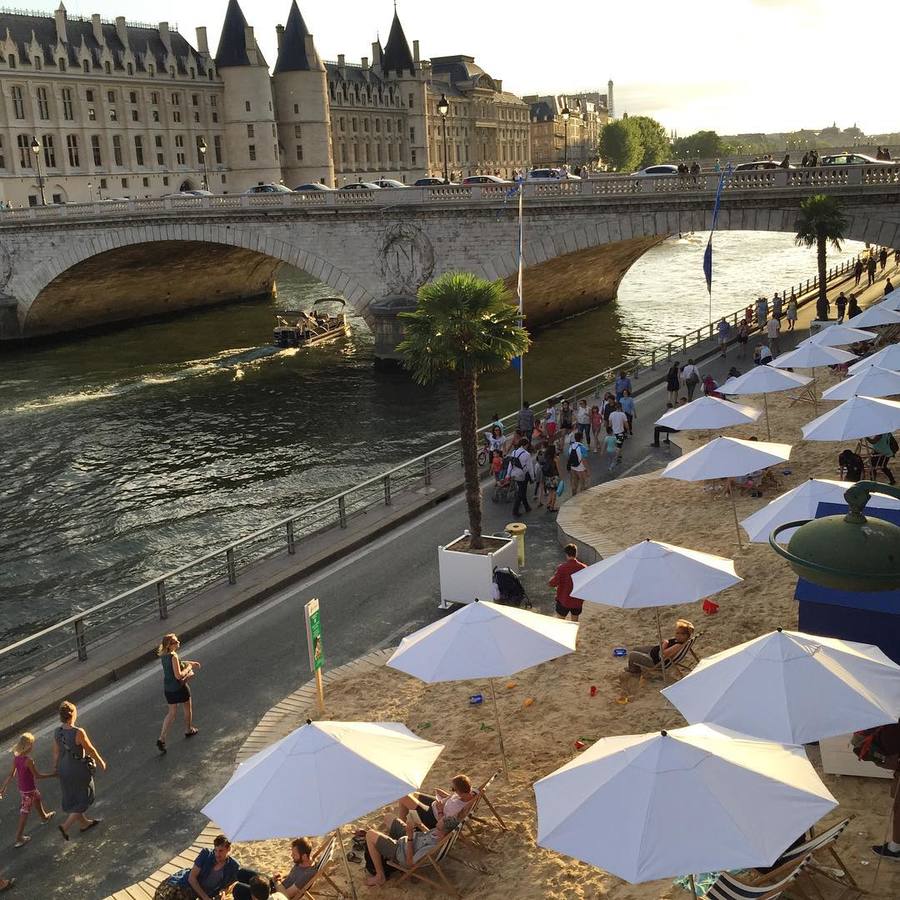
[
  {"x": 504, "y": 489},
  {"x": 508, "y": 590}
]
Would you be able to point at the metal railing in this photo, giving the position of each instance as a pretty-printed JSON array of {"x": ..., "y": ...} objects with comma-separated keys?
[{"x": 154, "y": 599}]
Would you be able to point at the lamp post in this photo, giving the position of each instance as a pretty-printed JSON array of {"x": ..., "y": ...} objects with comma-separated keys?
[
  {"x": 202, "y": 148},
  {"x": 36, "y": 149},
  {"x": 565, "y": 117},
  {"x": 91, "y": 191},
  {"x": 443, "y": 108}
]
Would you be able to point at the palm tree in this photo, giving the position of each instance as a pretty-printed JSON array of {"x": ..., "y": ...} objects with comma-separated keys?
[
  {"x": 819, "y": 222},
  {"x": 463, "y": 326}
]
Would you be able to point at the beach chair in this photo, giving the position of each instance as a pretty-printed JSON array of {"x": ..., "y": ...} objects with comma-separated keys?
[
  {"x": 430, "y": 864},
  {"x": 473, "y": 827},
  {"x": 681, "y": 663},
  {"x": 727, "y": 887},
  {"x": 323, "y": 860}
]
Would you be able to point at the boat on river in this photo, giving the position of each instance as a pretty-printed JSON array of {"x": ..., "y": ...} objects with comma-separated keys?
[{"x": 297, "y": 328}]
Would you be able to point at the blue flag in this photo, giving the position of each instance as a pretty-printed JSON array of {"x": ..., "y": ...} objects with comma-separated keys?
[
  {"x": 707, "y": 264},
  {"x": 708, "y": 253},
  {"x": 516, "y": 363}
]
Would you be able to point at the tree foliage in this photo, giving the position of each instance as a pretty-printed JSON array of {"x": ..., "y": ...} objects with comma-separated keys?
[
  {"x": 620, "y": 145},
  {"x": 702, "y": 144},
  {"x": 655, "y": 144},
  {"x": 820, "y": 223}
]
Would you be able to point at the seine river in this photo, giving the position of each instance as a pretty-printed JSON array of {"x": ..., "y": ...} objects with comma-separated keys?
[{"x": 125, "y": 453}]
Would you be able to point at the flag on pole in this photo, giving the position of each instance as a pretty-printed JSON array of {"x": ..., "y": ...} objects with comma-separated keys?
[{"x": 708, "y": 253}]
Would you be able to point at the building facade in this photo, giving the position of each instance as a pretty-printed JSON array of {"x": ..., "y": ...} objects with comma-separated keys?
[
  {"x": 94, "y": 110},
  {"x": 565, "y": 128}
]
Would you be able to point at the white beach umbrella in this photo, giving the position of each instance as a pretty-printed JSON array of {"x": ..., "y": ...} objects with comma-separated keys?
[
  {"x": 667, "y": 804},
  {"x": 483, "y": 640},
  {"x": 792, "y": 687},
  {"x": 800, "y": 504},
  {"x": 887, "y": 357},
  {"x": 876, "y": 316},
  {"x": 857, "y": 417},
  {"x": 891, "y": 301},
  {"x": 839, "y": 335},
  {"x": 726, "y": 457},
  {"x": 873, "y": 381},
  {"x": 708, "y": 412},
  {"x": 807, "y": 355},
  {"x": 764, "y": 380}
]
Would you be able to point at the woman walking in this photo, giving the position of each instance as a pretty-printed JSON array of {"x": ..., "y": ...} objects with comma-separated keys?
[
  {"x": 673, "y": 382},
  {"x": 792, "y": 312},
  {"x": 175, "y": 687},
  {"x": 74, "y": 760},
  {"x": 550, "y": 475},
  {"x": 25, "y": 773}
]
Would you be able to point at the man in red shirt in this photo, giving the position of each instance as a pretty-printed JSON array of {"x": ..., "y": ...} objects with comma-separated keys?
[
  {"x": 889, "y": 743},
  {"x": 566, "y": 604}
]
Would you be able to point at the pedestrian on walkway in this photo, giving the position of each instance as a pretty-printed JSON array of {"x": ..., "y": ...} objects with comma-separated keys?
[
  {"x": 882, "y": 258},
  {"x": 583, "y": 419},
  {"x": 823, "y": 307},
  {"x": 791, "y": 315},
  {"x": 623, "y": 383},
  {"x": 525, "y": 422},
  {"x": 762, "y": 355},
  {"x": 521, "y": 473},
  {"x": 762, "y": 310},
  {"x": 673, "y": 382},
  {"x": 612, "y": 448},
  {"x": 840, "y": 305},
  {"x": 888, "y": 287},
  {"x": 577, "y": 464},
  {"x": 776, "y": 306},
  {"x": 853, "y": 307},
  {"x": 871, "y": 266},
  {"x": 566, "y": 604},
  {"x": 550, "y": 474},
  {"x": 550, "y": 425},
  {"x": 25, "y": 772},
  {"x": 565, "y": 418},
  {"x": 690, "y": 376},
  {"x": 857, "y": 271},
  {"x": 743, "y": 335},
  {"x": 626, "y": 404},
  {"x": 773, "y": 331},
  {"x": 724, "y": 333},
  {"x": 74, "y": 760},
  {"x": 596, "y": 428},
  {"x": 176, "y": 675}
]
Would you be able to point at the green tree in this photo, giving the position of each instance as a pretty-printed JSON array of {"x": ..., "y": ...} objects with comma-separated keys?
[
  {"x": 620, "y": 145},
  {"x": 821, "y": 222},
  {"x": 654, "y": 141},
  {"x": 463, "y": 326},
  {"x": 702, "y": 144}
]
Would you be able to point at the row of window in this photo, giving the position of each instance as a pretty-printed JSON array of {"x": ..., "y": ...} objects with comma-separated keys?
[
  {"x": 363, "y": 153},
  {"x": 87, "y": 68},
  {"x": 365, "y": 94}
]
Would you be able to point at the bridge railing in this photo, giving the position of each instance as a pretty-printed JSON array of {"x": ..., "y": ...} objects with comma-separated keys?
[
  {"x": 83, "y": 631},
  {"x": 830, "y": 177}
]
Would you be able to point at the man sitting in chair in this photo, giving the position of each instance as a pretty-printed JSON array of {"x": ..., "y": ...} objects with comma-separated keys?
[
  {"x": 648, "y": 657},
  {"x": 302, "y": 871},
  {"x": 442, "y": 803},
  {"x": 402, "y": 843}
]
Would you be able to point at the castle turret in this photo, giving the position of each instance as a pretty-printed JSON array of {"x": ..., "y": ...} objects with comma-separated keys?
[
  {"x": 610, "y": 102},
  {"x": 251, "y": 139},
  {"x": 300, "y": 90}
]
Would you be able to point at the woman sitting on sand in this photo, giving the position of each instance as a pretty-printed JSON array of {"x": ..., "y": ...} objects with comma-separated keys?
[{"x": 648, "y": 657}]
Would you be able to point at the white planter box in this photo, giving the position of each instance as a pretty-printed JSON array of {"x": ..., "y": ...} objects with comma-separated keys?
[
  {"x": 466, "y": 576},
  {"x": 839, "y": 759}
]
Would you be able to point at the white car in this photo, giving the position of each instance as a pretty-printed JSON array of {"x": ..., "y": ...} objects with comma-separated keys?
[
  {"x": 551, "y": 175},
  {"x": 360, "y": 186},
  {"x": 664, "y": 169},
  {"x": 390, "y": 184},
  {"x": 268, "y": 189},
  {"x": 484, "y": 179}
]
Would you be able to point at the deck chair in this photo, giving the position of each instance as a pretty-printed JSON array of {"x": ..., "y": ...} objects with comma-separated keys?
[
  {"x": 473, "y": 827},
  {"x": 682, "y": 662},
  {"x": 726, "y": 887},
  {"x": 323, "y": 860},
  {"x": 430, "y": 864}
]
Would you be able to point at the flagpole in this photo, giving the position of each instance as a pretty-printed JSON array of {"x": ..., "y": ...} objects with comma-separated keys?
[{"x": 519, "y": 292}]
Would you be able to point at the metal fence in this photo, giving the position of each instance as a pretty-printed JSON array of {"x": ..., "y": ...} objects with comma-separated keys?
[{"x": 74, "y": 636}]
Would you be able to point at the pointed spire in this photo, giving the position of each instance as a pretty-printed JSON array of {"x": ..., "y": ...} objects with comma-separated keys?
[
  {"x": 397, "y": 55},
  {"x": 233, "y": 42},
  {"x": 292, "y": 55}
]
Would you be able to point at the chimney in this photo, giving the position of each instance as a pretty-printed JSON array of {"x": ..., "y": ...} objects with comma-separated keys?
[
  {"x": 342, "y": 65},
  {"x": 365, "y": 64},
  {"x": 202, "y": 43},
  {"x": 376, "y": 56},
  {"x": 279, "y": 36},
  {"x": 97, "y": 28},
  {"x": 122, "y": 31},
  {"x": 250, "y": 42},
  {"x": 60, "y": 16},
  {"x": 415, "y": 52},
  {"x": 164, "y": 36}
]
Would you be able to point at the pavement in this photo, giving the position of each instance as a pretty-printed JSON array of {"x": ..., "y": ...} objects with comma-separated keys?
[{"x": 370, "y": 599}]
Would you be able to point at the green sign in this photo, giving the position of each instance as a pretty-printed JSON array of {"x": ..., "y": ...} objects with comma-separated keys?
[{"x": 314, "y": 636}]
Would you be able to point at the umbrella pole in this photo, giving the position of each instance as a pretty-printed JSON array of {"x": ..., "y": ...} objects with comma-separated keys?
[
  {"x": 662, "y": 661},
  {"x": 737, "y": 526},
  {"x": 340, "y": 840},
  {"x": 768, "y": 428},
  {"x": 499, "y": 731},
  {"x": 815, "y": 392},
  {"x": 887, "y": 836},
  {"x": 694, "y": 887}
]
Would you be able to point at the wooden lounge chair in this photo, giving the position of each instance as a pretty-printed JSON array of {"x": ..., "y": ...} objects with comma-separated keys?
[
  {"x": 323, "y": 860},
  {"x": 682, "y": 662},
  {"x": 430, "y": 864},
  {"x": 726, "y": 887},
  {"x": 473, "y": 827}
]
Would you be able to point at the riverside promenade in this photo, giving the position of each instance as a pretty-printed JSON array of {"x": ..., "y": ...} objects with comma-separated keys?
[{"x": 370, "y": 598}]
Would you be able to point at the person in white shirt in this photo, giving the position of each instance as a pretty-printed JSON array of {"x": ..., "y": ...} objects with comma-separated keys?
[
  {"x": 773, "y": 330},
  {"x": 762, "y": 355},
  {"x": 521, "y": 472},
  {"x": 690, "y": 377},
  {"x": 576, "y": 463},
  {"x": 618, "y": 421}
]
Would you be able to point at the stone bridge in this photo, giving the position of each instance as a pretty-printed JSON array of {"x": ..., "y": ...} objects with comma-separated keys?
[{"x": 64, "y": 268}]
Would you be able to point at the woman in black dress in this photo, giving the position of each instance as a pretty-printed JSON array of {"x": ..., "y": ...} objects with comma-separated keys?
[{"x": 74, "y": 760}]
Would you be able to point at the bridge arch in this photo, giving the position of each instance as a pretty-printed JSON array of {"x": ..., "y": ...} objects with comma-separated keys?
[{"x": 254, "y": 246}]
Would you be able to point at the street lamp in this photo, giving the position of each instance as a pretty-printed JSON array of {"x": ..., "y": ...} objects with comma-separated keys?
[
  {"x": 36, "y": 149},
  {"x": 202, "y": 148},
  {"x": 847, "y": 553},
  {"x": 91, "y": 191},
  {"x": 443, "y": 108},
  {"x": 565, "y": 117}
]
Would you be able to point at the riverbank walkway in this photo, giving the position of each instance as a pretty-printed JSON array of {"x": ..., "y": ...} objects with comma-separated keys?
[{"x": 370, "y": 598}]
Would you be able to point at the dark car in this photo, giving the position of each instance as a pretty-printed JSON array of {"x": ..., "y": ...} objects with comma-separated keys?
[
  {"x": 853, "y": 159},
  {"x": 313, "y": 186},
  {"x": 484, "y": 179},
  {"x": 432, "y": 182},
  {"x": 758, "y": 165}
]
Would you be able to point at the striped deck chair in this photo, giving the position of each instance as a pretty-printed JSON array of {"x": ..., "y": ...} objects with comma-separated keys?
[
  {"x": 473, "y": 827},
  {"x": 324, "y": 859},
  {"x": 430, "y": 864},
  {"x": 726, "y": 887},
  {"x": 680, "y": 662}
]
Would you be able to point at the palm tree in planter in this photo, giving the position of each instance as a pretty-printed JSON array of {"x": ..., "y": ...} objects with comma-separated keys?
[
  {"x": 463, "y": 326},
  {"x": 820, "y": 222}
]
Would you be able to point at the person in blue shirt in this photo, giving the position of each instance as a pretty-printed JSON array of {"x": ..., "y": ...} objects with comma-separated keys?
[
  {"x": 623, "y": 383},
  {"x": 626, "y": 404}
]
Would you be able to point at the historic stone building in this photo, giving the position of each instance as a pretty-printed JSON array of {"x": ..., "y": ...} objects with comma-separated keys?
[
  {"x": 575, "y": 138},
  {"x": 94, "y": 109}
]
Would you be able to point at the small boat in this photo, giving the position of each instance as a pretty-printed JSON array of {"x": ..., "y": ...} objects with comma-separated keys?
[{"x": 296, "y": 328}]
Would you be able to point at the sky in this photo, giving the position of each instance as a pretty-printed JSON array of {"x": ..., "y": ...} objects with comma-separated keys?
[{"x": 732, "y": 66}]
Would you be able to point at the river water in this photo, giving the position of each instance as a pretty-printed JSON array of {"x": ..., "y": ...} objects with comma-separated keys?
[{"x": 126, "y": 453}]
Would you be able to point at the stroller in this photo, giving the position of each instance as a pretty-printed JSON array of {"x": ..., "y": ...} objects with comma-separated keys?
[
  {"x": 504, "y": 489},
  {"x": 508, "y": 590}
]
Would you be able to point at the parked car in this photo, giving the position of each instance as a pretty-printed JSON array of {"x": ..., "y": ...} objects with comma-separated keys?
[
  {"x": 199, "y": 192},
  {"x": 551, "y": 174},
  {"x": 432, "y": 182},
  {"x": 313, "y": 186},
  {"x": 760, "y": 165},
  {"x": 389, "y": 184},
  {"x": 853, "y": 159},
  {"x": 664, "y": 169},
  {"x": 268, "y": 189},
  {"x": 360, "y": 186},
  {"x": 484, "y": 179}
]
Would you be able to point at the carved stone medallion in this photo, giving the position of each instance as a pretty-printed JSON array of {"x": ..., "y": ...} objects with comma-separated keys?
[{"x": 407, "y": 259}]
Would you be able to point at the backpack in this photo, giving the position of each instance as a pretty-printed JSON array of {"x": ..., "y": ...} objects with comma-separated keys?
[
  {"x": 868, "y": 747},
  {"x": 892, "y": 442},
  {"x": 574, "y": 459},
  {"x": 509, "y": 589}
]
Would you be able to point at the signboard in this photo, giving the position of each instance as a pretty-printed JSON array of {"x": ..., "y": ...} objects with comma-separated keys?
[{"x": 314, "y": 636}]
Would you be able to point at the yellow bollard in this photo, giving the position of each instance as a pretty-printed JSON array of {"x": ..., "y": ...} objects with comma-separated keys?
[{"x": 517, "y": 530}]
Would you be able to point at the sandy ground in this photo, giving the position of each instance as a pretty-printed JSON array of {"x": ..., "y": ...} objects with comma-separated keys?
[{"x": 540, "y": 735}]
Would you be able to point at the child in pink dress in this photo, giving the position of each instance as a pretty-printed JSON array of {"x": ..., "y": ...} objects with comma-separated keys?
[{"x": 25, "y": 773}]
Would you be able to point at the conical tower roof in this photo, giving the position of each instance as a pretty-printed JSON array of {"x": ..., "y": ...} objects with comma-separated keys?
[
  {"x": 397, "y": 55},
  {"x": 233, "y": 41},
  {"x": 292, "y": 55}
]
